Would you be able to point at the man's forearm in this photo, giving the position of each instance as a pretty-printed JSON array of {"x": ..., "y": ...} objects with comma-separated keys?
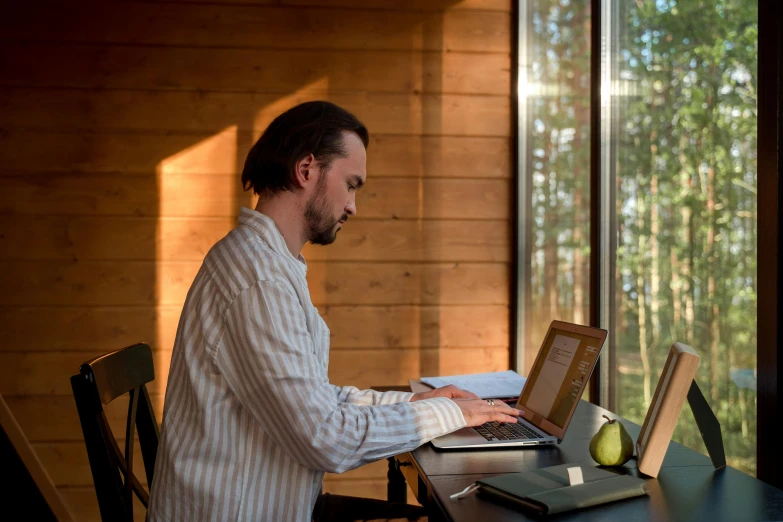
[
  {"x": 354, "y": 395},
  {"x": 357, "y": 436}
]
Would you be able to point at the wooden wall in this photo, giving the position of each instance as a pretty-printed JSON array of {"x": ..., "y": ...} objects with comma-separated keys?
[{"x": 123, "y": 126}]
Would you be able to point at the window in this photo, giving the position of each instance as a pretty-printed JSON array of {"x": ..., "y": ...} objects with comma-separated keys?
[
  {"x": 679, "y": 203},
  {"x": 682, "y": 161},
  {"x": 554, "y": 133}
]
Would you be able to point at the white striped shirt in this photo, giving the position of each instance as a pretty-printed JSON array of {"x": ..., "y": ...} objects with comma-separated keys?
[{"x": 251, "y": 422}]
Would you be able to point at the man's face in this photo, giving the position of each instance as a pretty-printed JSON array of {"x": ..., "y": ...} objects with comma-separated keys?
[{"x": 334, "y": 198}]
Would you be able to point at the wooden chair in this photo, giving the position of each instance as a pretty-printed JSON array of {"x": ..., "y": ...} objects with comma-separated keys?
[{"x": 100, "y": 381}]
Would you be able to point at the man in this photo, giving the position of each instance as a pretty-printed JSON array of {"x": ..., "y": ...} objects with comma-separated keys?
[{"x": 251, "y": 422}]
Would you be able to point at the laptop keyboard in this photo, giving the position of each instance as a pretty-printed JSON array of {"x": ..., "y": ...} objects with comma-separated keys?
[{"x": 496, "y": 431}]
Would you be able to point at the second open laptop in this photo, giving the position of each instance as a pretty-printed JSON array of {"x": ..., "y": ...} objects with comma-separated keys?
[{"x": 555, "y": 384}]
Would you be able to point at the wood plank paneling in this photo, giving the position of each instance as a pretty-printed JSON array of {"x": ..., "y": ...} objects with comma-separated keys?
[
  {"x": 69, "y": 464},
  {"x": 103, "y": 194},
  {"x": 69, "y": 460},
  {"x": 47, "y": 329},
  {"x": 48, "y": 373},
  {"x": 239, "y": 26},
  {"x": 86, "y": 328},
  {"x": 125, "y": 283},
  {"x": 405, "y": 5},
  {"x": 380, "y": 198},
  {"x": 366, "y": 488},
  {"x": 83, "y": 504},
  {"x": 365, "y": 368},
  {"x": 113, "y": 110},
  {"x": 62, "y": 421},
  {"x": 439, "y": 156},
  {"x": 426, "y": 327},
  {"x": 172, "y": 239},
  {"x": 114, "y": 155},
  {"x": 123, "y": 128},
  {"x": 210, "y": 69},
  {"x": 374, "y": 470},
  {"x": 75, "y": 283},
  {"x": 435, "y": 199}
]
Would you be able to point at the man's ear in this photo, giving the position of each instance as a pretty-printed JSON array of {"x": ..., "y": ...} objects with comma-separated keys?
[{"x": 304, "y": 170}]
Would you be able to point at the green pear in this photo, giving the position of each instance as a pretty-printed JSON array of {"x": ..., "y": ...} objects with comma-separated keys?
[{"x": 611, "y": 446}]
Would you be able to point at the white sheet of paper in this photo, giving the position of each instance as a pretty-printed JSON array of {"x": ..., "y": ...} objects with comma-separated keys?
[
  {"x": 491, "y": 385},
  {"x": 575, "y": 476}
]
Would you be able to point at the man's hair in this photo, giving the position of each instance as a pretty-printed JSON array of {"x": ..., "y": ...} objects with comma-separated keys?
[{"x": 309, "y": 128}]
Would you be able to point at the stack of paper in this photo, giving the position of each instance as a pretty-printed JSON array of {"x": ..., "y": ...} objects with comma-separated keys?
[{"x": 493, "y": 385}]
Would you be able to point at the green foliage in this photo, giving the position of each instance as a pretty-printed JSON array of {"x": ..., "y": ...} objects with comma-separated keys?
[{"x": 683, "y": 159}]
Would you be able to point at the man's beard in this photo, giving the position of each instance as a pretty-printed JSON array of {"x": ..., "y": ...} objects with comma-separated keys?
[{"x": 321, "y": 226}]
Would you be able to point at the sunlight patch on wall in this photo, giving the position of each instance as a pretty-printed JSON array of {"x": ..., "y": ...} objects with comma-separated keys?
[
  {"x": 197, "y": 205},
  {"x": 200, "y": 180}
]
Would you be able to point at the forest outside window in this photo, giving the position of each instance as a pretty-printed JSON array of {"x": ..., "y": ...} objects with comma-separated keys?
[{"x": 678, "y": 166}]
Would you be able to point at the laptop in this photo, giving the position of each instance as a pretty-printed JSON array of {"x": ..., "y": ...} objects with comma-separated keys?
[{"x": 557, "y": 379}]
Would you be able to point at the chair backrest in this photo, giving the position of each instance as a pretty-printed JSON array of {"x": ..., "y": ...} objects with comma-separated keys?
[{"x": 100, "y": 381}]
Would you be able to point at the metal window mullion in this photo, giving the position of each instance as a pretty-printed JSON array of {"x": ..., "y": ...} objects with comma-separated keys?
[
  {"x": 609, "y": 128},
  {"x": 597, "y": 395},
  {"x": 523, "y": 190}
]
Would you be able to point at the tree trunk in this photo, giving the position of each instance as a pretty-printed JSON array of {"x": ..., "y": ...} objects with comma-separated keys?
[
  {"x": 644, "y": 351},
  {"x": 581, "y": 107},
  {"x": 655, "y": 278},
  {"x": 551, "y": 297},
  {"x": 710, "y": 255},
  {"x": 686, "y": 214},
  {"x": 579, "y": 317},
  {"x": 676, "y": 303}
]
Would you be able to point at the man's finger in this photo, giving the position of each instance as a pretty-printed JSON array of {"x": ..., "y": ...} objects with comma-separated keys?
[
  {"x": 499, "y": 407},
  {"x": 508, "y": 410}
]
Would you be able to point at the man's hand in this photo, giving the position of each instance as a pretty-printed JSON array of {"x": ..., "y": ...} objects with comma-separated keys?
[
  {"x": 450, "y": 392},
  {"x": 477, "y": 412}
]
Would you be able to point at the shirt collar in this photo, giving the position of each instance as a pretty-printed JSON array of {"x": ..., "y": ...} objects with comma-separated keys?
[{"x": 266, "y": 228}]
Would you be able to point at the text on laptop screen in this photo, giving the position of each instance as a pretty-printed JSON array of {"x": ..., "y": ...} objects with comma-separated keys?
[{"x": 555, "y": 383}]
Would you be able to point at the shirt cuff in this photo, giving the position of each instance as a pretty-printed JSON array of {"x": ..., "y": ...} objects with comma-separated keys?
[{"x": 437, "y": 416}]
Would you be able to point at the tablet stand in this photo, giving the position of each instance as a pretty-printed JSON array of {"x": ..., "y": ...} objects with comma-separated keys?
[{"x": 708, "y": 424}]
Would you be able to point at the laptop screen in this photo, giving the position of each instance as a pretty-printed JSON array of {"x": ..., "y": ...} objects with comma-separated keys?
[{"x": 560, "y": 373}]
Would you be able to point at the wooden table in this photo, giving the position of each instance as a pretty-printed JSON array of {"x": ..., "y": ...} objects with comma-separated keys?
[{"x": 688, "y": 488}]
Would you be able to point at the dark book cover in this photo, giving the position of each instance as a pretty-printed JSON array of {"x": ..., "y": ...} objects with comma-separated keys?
[{"x": 546, "y": 491}]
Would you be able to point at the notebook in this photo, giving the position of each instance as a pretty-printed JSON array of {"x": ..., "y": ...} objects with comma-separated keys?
[
  {"x": 492, "y": 385},
  {"x": 546, "y": 491}
]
